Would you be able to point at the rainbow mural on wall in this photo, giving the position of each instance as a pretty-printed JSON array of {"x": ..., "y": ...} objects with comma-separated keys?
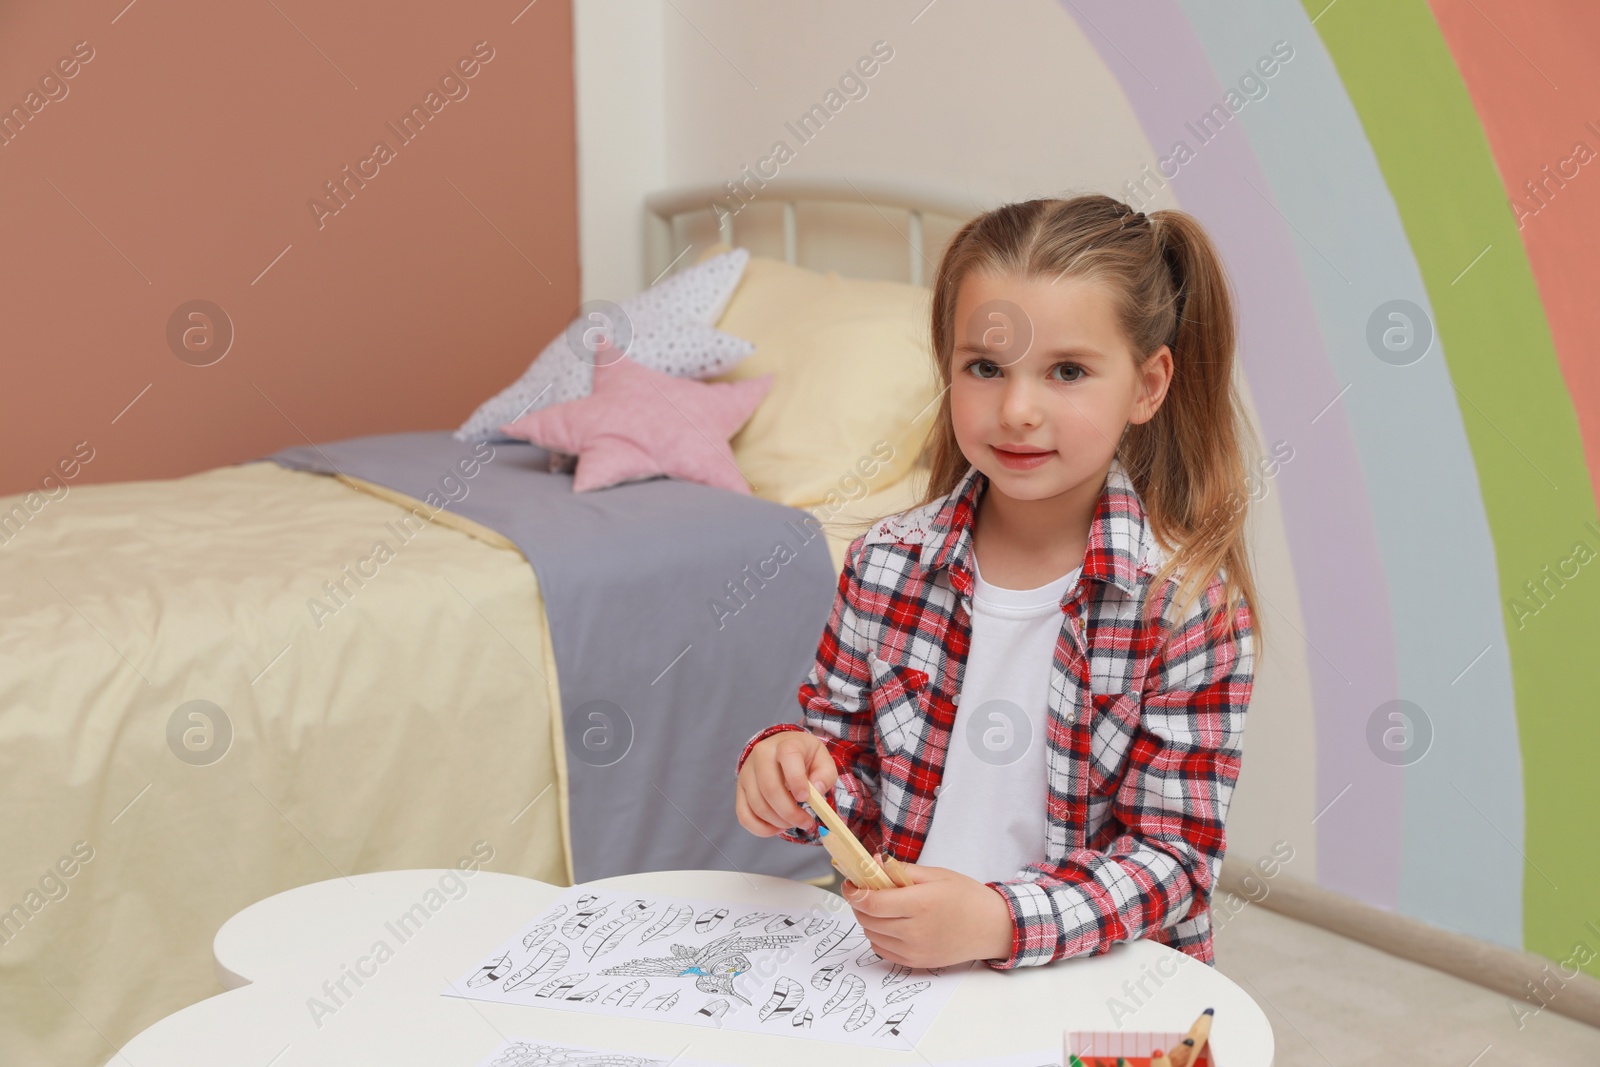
[{"x": 1436, "y": 163}]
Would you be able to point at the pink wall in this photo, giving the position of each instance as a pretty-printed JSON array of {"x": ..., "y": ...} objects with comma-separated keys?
[
  {"x": 1535, "y": 118},
  {"x": 179, "y": 161}
]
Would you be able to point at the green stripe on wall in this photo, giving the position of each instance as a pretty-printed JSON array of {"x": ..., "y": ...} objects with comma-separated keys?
[{"x": 1522, "y": 430}]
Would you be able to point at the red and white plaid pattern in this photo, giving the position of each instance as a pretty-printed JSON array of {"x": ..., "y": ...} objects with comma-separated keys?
[{"x": 1144, "y": 745}]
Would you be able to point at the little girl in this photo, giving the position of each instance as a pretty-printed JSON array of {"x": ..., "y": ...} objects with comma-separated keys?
[{"x": 1032, "y": 687}]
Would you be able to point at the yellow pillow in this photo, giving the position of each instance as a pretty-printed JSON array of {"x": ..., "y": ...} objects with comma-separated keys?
[{"x": 851, "y": 400}]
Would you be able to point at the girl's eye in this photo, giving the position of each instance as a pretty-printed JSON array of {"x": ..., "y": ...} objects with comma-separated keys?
[{"x": 986, "y": 369}]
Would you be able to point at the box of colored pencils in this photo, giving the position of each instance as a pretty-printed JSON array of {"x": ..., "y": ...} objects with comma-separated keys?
[{"x": 1126, "y": 1048}]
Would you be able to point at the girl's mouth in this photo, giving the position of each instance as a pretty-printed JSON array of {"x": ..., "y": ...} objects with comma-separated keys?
[{"x": 1021, "y": 460}]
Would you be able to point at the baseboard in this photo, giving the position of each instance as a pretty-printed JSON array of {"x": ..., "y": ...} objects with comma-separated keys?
[{"x": 1504, "y": 970}]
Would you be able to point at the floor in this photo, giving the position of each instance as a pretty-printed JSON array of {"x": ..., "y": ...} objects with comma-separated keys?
[{"x": 1334, "y": 1002}]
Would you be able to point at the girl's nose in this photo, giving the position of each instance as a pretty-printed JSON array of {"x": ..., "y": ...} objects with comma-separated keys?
[{"x": 1019, "y": 404}]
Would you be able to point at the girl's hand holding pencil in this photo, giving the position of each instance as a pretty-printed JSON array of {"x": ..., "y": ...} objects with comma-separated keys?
[
  {"x": 943, "y": 917},
  {"x": 915, "y": 916},
  {"x": 776, "y": 776}
]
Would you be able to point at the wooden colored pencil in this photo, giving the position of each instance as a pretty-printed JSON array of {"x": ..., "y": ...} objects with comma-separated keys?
[
  {"x": 1194, "y": 1041},
  {"x": 852, "y": 859}
]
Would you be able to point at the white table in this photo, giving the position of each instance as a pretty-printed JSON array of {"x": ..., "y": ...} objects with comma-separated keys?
[{"x": 276, "y": 954}]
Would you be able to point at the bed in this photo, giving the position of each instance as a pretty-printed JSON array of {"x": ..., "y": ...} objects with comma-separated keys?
[{"x": 212, "y": 690}]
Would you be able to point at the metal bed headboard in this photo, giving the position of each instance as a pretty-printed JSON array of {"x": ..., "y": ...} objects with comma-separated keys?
[{"x": 665, "y": 207}]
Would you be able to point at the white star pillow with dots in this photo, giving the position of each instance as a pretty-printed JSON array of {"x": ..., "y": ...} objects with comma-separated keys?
[{"x": 667, "y": 328}]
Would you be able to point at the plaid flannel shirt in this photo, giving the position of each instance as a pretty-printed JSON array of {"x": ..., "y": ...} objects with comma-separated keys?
[{"x": 1143, "y": 744}]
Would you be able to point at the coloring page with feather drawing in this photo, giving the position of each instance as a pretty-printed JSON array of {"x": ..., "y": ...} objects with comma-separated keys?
[{"x": 809, "y": 974}]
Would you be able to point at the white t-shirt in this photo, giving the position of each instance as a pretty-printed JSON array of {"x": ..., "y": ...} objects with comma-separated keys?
[{"x": 990, "y": 813}]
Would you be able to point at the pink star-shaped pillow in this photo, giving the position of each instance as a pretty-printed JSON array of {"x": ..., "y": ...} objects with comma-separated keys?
[{"x": 639, "y": 423}]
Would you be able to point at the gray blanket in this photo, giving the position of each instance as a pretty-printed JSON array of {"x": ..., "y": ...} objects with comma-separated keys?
[{"x": 683, "y": 620}]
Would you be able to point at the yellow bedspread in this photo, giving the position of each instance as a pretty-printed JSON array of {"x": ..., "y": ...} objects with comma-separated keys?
[{"x": 405, "y": 723}]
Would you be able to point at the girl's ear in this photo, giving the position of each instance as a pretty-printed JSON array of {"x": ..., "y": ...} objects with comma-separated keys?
[{"x": 1155, "y": 376}]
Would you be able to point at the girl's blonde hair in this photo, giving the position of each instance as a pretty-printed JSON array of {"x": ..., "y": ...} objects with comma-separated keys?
[{"x": 1188, "y": 462}]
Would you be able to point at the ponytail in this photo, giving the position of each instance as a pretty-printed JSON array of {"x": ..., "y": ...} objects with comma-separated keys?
[{"x": 1188, "y": 462}]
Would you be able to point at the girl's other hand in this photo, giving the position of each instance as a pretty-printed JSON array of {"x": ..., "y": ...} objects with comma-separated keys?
[
  {"x": 946, "y": 917},
  {"x": 773, "y": 781}
]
